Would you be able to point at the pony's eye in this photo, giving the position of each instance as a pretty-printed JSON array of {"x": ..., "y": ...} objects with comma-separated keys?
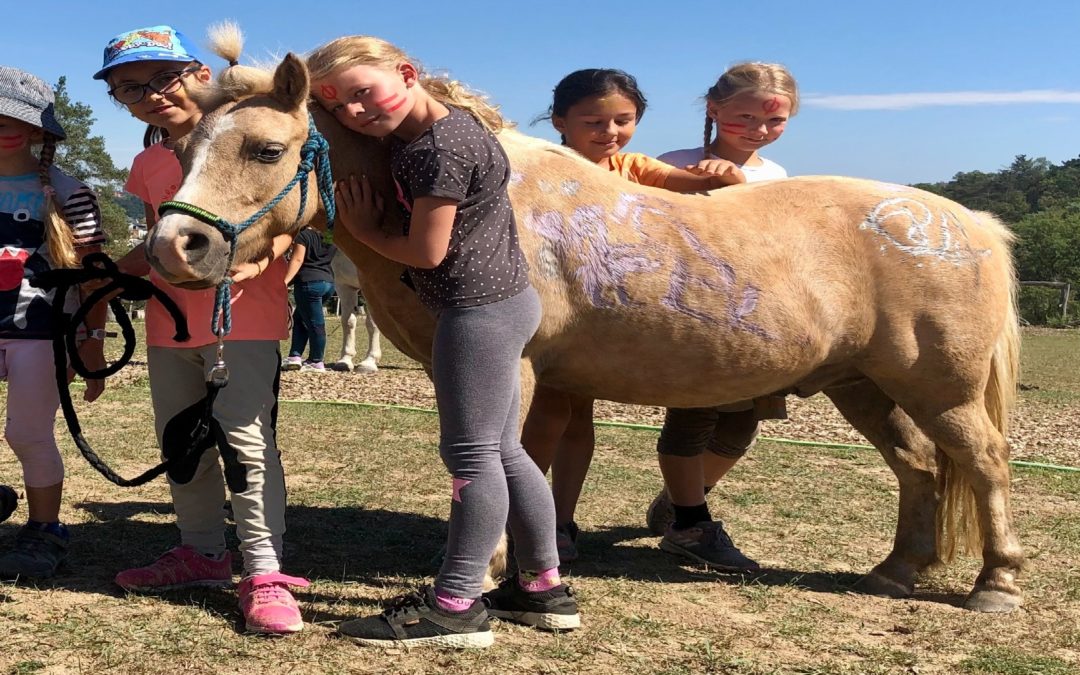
[{"x": 270, "y": 153}]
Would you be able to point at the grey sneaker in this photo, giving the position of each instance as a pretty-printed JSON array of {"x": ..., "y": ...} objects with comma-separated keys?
[
  {"x": 9, "y": 501},
  {"x": 709, "y": 544},
  {"x": 661, "y": 514},
  {"x": 36, "y": 554}
]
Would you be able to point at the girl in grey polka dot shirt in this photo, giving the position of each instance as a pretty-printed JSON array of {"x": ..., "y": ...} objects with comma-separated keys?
[{"x": 460, "y": 244}]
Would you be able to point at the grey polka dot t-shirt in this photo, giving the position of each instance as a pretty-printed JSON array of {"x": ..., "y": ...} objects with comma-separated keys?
[{"x": 459, "y": 159}]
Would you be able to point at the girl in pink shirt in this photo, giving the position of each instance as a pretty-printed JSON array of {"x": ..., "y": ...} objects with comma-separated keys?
[{"x": 152, "y": 71}]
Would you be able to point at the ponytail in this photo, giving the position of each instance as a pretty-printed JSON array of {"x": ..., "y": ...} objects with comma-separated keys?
[
  {"x": 154, "y": 135},
  {"x": 58, "y": 235}
]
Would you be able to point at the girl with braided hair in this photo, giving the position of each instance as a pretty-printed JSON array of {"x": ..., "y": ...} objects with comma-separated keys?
[
  {"x": 47, "y": 219},
  {"x": 749, "y": 106}
]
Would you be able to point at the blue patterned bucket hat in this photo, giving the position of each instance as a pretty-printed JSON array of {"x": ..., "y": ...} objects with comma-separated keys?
[
  {"x": 28, "y": 99},
  {"x": 156, "y": 43}
]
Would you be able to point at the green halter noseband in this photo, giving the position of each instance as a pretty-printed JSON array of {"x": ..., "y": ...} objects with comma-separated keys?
[{"x": 314, "y": 156}]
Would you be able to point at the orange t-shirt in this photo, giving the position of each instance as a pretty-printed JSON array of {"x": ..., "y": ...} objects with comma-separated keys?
[
  {"x": 260, "y": 308},
  {"x": 638, "y": 168}
]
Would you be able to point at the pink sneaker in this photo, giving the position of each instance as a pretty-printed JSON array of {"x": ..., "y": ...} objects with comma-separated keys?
[
  {"x": 268, "y": 605},
  {"x": 181, "y": 567}
]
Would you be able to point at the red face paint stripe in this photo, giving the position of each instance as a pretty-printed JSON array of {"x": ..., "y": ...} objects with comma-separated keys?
[
  {"x": 400, "y": 102},
  {"x": 732, "y": 128}
]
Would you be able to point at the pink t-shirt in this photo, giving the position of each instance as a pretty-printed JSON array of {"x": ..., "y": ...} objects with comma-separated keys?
[{"x": 260, "y": 308}]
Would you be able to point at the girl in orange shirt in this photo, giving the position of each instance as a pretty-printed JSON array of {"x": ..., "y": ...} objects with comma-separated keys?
[{"x": 597, "y": 111}]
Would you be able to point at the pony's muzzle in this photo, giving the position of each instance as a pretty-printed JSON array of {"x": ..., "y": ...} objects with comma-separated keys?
[{"x": 187, "y": 252}]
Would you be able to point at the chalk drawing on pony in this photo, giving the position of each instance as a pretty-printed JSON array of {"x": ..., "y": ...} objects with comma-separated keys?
[
  {"x": 910, "y": 226},
  {"x": 583, "y": 243},
  {"x": 347, "y": 286},
  {"x": 919, "y": 353}
]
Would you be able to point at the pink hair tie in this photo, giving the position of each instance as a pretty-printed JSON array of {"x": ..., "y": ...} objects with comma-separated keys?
[{"x": 50, "y": 191}]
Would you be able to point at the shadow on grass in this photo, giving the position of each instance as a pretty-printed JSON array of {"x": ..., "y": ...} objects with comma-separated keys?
[
  {"x": 617, "y": 552},
  {"x": 374, "y": 548},
  {"x": 338, "y": 544}
]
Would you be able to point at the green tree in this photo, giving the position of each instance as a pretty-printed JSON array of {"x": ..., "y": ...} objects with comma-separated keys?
[
  {"x": 1048, "y": 249},
  {"x": 1041, "y": 202},
  {"x": 83, "y": 156}
]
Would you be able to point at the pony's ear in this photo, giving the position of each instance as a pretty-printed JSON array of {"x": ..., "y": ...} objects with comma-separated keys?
[{"x": 291, "y": 82}]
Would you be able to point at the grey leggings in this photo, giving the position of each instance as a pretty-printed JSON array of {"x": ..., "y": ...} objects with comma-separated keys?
[{"x": 476, "y": 367}]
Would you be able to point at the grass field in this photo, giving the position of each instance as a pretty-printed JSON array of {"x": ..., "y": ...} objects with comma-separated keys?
[{"x": 367, "y": 499}]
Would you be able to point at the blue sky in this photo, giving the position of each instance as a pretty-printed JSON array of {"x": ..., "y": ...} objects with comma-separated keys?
[{"x": 904, "y": 92}]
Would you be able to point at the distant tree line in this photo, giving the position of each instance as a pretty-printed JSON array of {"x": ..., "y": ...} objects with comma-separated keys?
[{"x": 1040, "y": 201}]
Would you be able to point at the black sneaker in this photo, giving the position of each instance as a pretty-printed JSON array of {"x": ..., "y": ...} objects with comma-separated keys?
[
  {"x": 9, "y": 501},
  {"x": 708, "y": 543},
  {"x": 36, "y": 555},
  {"x": 547, "y": 610},
  {"x": 416, "y": 620},
  {"x": 566, "y": 542}
]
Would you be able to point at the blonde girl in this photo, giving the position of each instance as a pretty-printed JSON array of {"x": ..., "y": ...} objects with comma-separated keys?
[{"x": 460, "y": 245}]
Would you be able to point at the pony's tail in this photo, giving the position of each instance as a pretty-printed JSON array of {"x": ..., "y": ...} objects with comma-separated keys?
[
  {"x": 451, "y": 92},
  {"x": 957, "y": 518}
]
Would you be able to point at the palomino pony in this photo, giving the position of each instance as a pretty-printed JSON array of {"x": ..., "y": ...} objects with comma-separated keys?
[
  {"x": 347, "y": 286},
  {"x": 896, "y": 303}
]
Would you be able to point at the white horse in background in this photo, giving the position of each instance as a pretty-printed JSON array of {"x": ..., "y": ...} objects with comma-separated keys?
[{"x": 347, "y": 284}]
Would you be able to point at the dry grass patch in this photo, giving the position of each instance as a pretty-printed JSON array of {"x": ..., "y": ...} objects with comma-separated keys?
[{"x": 367, "y": 507}]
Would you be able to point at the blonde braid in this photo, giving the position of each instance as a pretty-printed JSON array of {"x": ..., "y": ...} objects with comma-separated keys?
[{"x": 58, "y": 235}]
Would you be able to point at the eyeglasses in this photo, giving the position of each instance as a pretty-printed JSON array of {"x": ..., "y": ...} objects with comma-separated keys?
[{"x": 167, "y": 82}]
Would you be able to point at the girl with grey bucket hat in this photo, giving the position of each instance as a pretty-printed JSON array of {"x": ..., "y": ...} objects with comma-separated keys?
[{"x": 47, "y": 219}]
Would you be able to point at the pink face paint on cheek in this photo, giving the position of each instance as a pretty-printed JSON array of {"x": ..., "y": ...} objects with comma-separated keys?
[
  {"x": 772, "y": 105},
  {"x": 328, "y": 91},
  {"x": 732, "y": 128},
  {"x": 12, "y": 142}
]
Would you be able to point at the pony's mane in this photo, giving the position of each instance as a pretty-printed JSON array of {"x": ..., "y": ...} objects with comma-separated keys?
[
  {"x": 236, "y": 81},
  {"x": 515, "y": 137}
]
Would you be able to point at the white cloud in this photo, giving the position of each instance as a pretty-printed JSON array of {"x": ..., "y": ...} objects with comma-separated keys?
[{"x": 943, "y": 98}]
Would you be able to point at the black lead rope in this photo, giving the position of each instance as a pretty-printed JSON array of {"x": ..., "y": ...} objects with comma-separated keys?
[{"x": 188, "y": 435}]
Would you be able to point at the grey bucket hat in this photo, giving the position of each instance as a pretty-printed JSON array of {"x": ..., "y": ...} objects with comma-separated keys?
[{"x": 29, "y": 99}]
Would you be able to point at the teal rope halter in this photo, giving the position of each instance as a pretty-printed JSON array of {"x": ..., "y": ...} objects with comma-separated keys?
[{"x": 314, "y": 156}]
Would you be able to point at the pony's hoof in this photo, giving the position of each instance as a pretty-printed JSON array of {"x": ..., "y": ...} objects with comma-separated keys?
[
  {"x": 992, "y": 602},
  {"x": 341, "y": 366},
  {"x": 876, "y": 584},
  {"x": 367, "y": 366}
]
